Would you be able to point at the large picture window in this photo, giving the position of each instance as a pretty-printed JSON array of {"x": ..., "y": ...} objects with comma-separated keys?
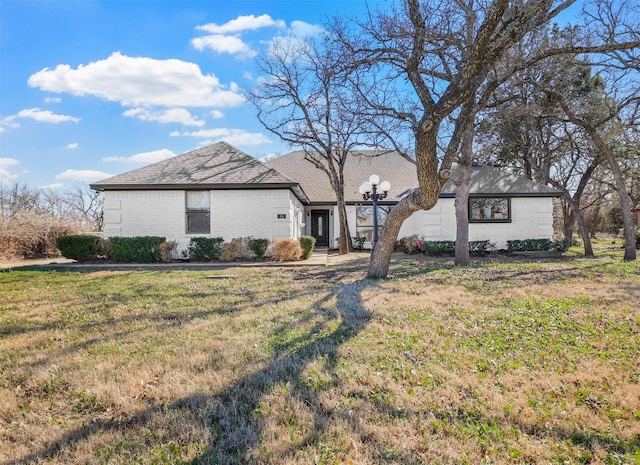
[
  {"x": 364, "y": 220},
  {"x": 198, "y": 212},
  {"x": 489, "y": 209}
]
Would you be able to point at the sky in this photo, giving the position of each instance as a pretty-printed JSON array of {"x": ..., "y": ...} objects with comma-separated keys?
[{"x": 94, "y": 88}]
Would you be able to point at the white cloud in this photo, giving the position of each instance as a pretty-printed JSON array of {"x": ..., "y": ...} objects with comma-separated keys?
[
  {"x": 231, "y": 136},
  {"x": 224, "y": 44},
  {"x": 52, "y": 99},
  {"x": 140, "y": 81},
  {"x": 216, "y": 114},
  {"x": 144, "y": 157},
  {"x": 172, "y": 115},
  {"x": 302, "y": 29},
  {"x": 54, "y": 186},
  {"x": 82, "y": 175},
  {"x": 8, "y": 121},
  {"x": 6, "y": 176},
  {"x": 45, "y": 116},
  {"x": 242, "y": 23},
  {"x": 7, "y": 162},
  {"x": 72, "y": 146}
]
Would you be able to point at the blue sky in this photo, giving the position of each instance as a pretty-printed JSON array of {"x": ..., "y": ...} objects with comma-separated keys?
[{"x": 92, "y": 88}]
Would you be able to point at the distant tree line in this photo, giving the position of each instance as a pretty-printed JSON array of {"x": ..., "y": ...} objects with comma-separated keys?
[{"x": 31, "y": 219}]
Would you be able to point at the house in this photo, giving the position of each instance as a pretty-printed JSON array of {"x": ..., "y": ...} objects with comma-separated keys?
[
  {"x": 636, "y": 210},
  {"x": 220, "y": 191}
]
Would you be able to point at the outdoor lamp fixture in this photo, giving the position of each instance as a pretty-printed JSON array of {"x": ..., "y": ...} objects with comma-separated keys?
[{"x": 375, "y": 190}]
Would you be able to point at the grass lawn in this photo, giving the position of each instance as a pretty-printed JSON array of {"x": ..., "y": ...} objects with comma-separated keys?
[{"x": 496, "y": 363}]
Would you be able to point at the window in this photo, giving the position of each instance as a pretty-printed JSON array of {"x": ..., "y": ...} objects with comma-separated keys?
[
  {"x": 364, "y": 220},
  {"x": 490, "y": 209},
  {"x": 198, "y": 212}
]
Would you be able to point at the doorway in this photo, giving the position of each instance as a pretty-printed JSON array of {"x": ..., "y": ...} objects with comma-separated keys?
[{"x": 320, "y": 227}]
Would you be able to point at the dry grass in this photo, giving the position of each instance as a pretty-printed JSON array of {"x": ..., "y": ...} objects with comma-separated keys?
[{"x": 498, "y": 363}]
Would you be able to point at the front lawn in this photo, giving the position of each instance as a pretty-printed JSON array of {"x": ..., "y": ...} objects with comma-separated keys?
[{"x": 501, "y": 363}]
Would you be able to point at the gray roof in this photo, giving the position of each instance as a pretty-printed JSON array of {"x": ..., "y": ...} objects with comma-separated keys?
[
  {"x": 390, "y": 166},
  {"x": 222, "y": 166},
  {"x": 219, "y": 166},
  {"x": 400, "y": 171},
  {"x": 487, "y": 180}
]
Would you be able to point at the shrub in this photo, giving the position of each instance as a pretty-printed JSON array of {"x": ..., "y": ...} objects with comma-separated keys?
[
  {"x": 168, "y": 251},
  {"x": 529, "y": 245},
  {"x": 307, "y": 243},
  {"x": 204, "y": 249},
  {"x": 562, "y": 245},
  {"x": 285, "y": 250},
  {"x": 439, "y": 247},
  {"x": 78, "y": 247},
  {"x": 478, "y": 247},
  {"x": 237, "y": 249},
  {"x": 411, "y": 244},
  {"x": 358, "y": 242},
  {"x": 141, "y": 249},
  {"x": 259, "y": 247}
]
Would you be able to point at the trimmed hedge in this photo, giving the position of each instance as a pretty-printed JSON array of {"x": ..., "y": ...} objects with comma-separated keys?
[
  {"x": 141, "y": 249},
  {"x": 259, "y": 247},
  {"x": 438, "y": 247},
  {"x": 529, "y": 245},
  {"x": 307, "y": 243},
  {"x": 78, "y": 247},
  {"x": 204, "y": 248}
]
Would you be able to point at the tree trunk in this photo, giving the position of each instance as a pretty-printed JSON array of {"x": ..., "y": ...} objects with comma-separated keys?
[
  {"x": 625, "y": 201},
  {"x": 576, "y": 215},
  {"x": 344, "y": 240},
  {"x": 463, "y": 186},
  {"x": 423, "y": 198}
]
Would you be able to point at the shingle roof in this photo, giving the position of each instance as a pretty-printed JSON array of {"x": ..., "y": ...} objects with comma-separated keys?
[
  {"x": 487, "y": 180},
  {"x": 400, "y": 172},
  {"x": 217, "y": 165},
  {"x": 390, "y": 166},
  {"x": 222, "y": 166}
]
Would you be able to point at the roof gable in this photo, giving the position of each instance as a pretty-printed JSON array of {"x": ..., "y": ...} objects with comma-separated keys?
[{"x": 217, "y": 165}]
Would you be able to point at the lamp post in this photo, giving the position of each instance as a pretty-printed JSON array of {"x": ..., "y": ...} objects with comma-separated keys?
[{"x": 374, "y": 190}]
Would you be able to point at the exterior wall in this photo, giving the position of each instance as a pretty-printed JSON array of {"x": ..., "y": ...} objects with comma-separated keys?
[
  {"x": 531, "y": 218},
  {"x": 234, "y": 213}
]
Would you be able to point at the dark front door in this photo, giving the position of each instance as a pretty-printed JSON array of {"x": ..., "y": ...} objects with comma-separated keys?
[{"x": 320, "y": 227}]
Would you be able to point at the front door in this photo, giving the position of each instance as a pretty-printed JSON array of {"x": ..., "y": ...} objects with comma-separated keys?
[{"x": 320, "y": 227}]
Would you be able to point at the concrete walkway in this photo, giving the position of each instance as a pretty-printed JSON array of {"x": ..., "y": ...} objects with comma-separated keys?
[{"x": 318, "y": 258}]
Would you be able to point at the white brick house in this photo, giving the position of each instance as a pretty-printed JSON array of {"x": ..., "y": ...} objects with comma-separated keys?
[{"x": 219, "y": 191}]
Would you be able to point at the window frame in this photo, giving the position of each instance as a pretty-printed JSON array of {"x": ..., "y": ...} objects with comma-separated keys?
[
  {"x": 195, "y": 210},
  {"x": 508, "y": 219},
  {"x": 369, "y": 227}
]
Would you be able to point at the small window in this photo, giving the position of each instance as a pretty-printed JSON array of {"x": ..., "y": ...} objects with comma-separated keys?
[
  {"x": 364, "y": 220},
  {"x": 490, "y": 209},
  {"x": 198, "y": 212}
]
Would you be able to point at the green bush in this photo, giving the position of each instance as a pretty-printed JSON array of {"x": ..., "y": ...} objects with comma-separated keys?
[
  {"x": 204, "y": 249},
  {"x": 141, "y": 249},
  {"x": 78, "y": 247},
  {"x": 438, "y": 247},
  {"x": 529, "y": 245},
  {"x": 307, "y": 243},
  {"x": 478, "y": 247},
  {"x": 562, "y": 245},
  {"x": 358, "y": 242},
  {"x": 259, "y": 247}
]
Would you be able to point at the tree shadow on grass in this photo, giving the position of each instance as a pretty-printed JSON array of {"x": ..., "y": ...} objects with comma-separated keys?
[{"x": 231, "y": 415}]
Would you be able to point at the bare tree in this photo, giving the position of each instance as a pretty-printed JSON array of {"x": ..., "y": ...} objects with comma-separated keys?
[
  {"x": 305, "y": 100},
  {"x": 425, "y": 43}
]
